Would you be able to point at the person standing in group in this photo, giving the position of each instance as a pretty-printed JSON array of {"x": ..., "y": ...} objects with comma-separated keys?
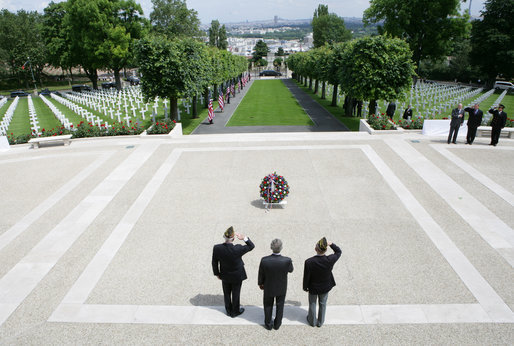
[
  {"x": 228, "y": 266},
  {"x": 273, "y": 271},
  {"x": 407, "y": 115},
  {"x": 474, "y": 121},
  {"x": 456, "y": 123},
  {"x": 391, "y": 108},
  {"x": 318, "y": 279},
  {"x": 498, "y": 123}
]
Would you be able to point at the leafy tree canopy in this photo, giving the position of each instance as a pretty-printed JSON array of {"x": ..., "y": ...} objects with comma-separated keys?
[
  {"x": 218, "y": 35},
  {"x": 260, "y": 50},
  {"x": 374, "y": 68},
  {"x": 328, "y": 27},
  {"x": 429, "y": 27},
  {"x": 172, "y": 18},
  {"x": 492, "y": 40}
]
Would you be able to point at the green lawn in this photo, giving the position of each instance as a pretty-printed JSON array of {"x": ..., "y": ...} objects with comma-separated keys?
[
  {"x": 20, "y": 122},
  {"x": 45, "y": 116},
  {"x": 268, "y": 103},
  {"x": 352, "y": 123}
]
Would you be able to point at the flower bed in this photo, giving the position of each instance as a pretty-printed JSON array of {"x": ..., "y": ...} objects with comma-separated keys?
[
  {"x": 380, "y": 122},
  {"x": 116, "y": 129},
  {"x": 415, "y": 124},
  {"x": 161, "y": 127}
]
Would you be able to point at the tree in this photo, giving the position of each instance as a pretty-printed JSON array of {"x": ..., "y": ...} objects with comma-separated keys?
[
  {"x": 428, "y": 26},
  {"x": 218, "y": 35},
  {"x": 374, "y": 68},
  {"x": 21, "y": 41},
  {"x": 126, "y": 26},
  {"x": 492, "y": 40},
  {"x": 54, "y": 33},
  {"x": 260, "y": 50},
  {"x": 328, "y": 27},
  {"x": 173, "y": 19},
  {"x": 280, "y": 52},
  {"x": 171, "y": 69},
  {"x": 86, "y": 21},
  {"x": 277, "y": 63}
]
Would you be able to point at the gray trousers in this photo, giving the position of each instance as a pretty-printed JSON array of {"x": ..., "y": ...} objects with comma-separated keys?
[{"x": 311, "y": 317}]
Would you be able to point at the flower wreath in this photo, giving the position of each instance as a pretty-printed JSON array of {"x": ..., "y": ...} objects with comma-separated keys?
[{"x": 274, "y": 188}]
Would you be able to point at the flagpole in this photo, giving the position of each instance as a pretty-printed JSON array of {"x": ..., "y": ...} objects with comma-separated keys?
[{"x": 33, "y": 79}]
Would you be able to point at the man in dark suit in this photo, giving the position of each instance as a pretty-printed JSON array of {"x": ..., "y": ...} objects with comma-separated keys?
[
  {"x": 228, "y": 266},
  {"x": 456, "y": 123},
  {"x": 498, "y": 123},
  {"x": 408, "y": 113},
  {"x": 474, "y": 121},
  {"x": 273, "y": 280},
  {"x": 391, "y": 108},
  {"x": 318, "y": 279}
]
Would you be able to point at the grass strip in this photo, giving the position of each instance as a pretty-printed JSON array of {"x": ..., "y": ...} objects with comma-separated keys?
[
  {"x": 269, "y": 103},
  {"x": 45, "y": 116},
  {"x": 20, "y": 123}
]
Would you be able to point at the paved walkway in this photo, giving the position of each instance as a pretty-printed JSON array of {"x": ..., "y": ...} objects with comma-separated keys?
[
  {"x": 109, "y": 241},
  {"x": 322, "y": 119}
]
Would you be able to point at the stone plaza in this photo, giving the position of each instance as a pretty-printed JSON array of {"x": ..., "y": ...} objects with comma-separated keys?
[{"x": 109, "y": 240}]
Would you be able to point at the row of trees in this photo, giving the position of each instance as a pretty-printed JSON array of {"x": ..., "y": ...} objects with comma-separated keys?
[
  {"x": 369, "y": 68},
  {"x": 92, "y": 34},
  {"x": 184, "y": 67}
]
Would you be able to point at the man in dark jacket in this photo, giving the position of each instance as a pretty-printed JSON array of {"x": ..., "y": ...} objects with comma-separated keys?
[
  {"x": 391, "y": 108},
  {"x": 498, "y": 123},
  {"x": 318, "y": 279},
  {"x": 456, "y": 123},
  {"x": 228, "y": 266},
  {"x": 273, "y": 280},
  {"x": 474, "y": 121}
]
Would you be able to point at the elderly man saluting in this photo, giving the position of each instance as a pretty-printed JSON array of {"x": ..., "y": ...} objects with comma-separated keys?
[
  {"x": 228, "y": 266},
  {"x": 318, "y": 279}
]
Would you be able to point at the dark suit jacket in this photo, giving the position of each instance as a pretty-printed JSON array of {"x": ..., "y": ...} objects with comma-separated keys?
[
  {"x": 391, "y": 108},
  {"x": 227, "y": 261},
  {"x": 474, "y": 120},
  {"x": 456, "y": 121},
  {"x": 317, "y": 273},
  {"x": 407, "y": 113},
  {"x": 499, "y": 119},
  {"x": 273, "y": 274}
]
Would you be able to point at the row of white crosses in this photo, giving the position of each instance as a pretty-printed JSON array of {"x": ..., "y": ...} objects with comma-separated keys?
[
  {"x": 90, "y": 117},
  {"x": 487, "y": 115},
  {"x": 3, "y": 101},
  {"x": 6, "y": 120},
  {"x": 33, "y": 117},
  {"x": 58, "y": 114}
]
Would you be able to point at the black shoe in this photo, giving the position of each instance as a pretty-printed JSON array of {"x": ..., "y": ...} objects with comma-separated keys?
[
  {"x": 268, "y": 326},
  {"x": 448, "y": 142},
  {"x": 238, "y": 313},
  {"x": 454, "y": 142}
]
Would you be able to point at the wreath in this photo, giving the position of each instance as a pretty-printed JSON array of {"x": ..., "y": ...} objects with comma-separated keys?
[{"x": 274, "y": 188}]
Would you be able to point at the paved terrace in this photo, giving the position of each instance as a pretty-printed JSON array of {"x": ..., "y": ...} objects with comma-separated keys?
[{"x": 109, "y": 240}]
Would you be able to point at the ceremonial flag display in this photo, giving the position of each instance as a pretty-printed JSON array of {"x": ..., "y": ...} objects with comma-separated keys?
[
  {"x": 211, "y": 112},
  {"x": 221, "y": 103},
  {"x": 233, "y": 90},
  {"x": 227, "y": 94}
]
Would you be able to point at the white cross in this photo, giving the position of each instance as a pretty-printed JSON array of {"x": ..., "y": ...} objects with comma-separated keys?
[
  {"x": 178, "y": 113},
  {"x": 118, "y": 115},
  {"x": 143, "y": 113},
  {"x": 98, "y": 121},
  {"x": 133, "y": 111},
  {"x": 127, "y": 119},
  {"x": 110, "y": 112},
  {"x": 187, "y": 106}
]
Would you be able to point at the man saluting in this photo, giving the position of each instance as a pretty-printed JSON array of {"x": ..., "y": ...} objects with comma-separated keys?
[{"x": 228, "y": 266}]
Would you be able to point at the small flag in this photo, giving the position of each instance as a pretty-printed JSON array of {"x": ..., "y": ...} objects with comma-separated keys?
[
  {"x": 211, "y": 112},
  {"x": 233, "y": 90},
  {"x": 221, "y": 103},
  {"x": 227, "y": 94},
  {"x": 23, "y": 67}
]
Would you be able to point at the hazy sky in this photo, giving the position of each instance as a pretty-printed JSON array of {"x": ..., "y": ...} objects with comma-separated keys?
[{"x": 240, "y": 10}]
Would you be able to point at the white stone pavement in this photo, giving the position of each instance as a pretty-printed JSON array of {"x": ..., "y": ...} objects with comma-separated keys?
[{"x": 109, "y": 240}]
